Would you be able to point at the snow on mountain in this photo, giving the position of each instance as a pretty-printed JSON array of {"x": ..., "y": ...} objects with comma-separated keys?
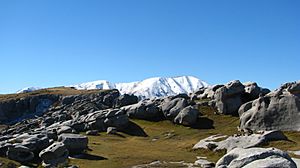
[
  {"x": 99, "y": 84},
  {"x": 28, "y": 89},
  {"x": 148, "y": 88}
]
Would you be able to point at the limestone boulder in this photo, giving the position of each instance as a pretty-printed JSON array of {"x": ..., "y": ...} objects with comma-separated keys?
[
  {"x": 55, "y": 154},
  {"x": 75, "y": 143},
  {"x": 172, "y": 106},
  {"x": 187, "y": 116},
  {"x": 280, "y": 110},
  {"x": 145, "y": 110},
  {"x": 125, "y": 100},
  {"x": 220, "y": 142},
  {"x": 256, "y": 157}
]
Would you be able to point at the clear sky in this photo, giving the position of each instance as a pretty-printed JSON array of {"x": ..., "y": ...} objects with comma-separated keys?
[{"x": 59, "y": 42}]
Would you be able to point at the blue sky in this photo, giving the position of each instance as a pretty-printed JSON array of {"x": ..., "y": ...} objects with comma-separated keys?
[{"x": 60, "y": 42}]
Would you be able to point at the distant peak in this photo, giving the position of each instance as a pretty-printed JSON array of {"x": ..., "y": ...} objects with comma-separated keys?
[
  {"x": 150, "y": 87},
  {"x": 147, "y": 88}
]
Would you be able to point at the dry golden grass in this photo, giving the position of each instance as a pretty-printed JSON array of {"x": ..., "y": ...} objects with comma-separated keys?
[
  {"x": 55, "y": 91},
  {"x": 6, "y": 163}
]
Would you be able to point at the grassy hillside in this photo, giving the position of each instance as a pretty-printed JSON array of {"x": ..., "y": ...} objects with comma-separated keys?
[{"x": 55, "y": 91}]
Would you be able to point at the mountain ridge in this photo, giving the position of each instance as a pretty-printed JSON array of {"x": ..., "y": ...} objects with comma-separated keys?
[
  {"x": 147, "y": 88},
  {"x": 151, "y": 87}
]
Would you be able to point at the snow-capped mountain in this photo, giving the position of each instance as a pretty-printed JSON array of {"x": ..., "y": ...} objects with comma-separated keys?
[
  {"x": 148, "y": 88},
  {"x": 28, "y": 89},
  {"x": 99, "y": 84}
]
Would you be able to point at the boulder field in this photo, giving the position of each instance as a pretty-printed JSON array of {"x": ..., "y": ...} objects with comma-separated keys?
[{"x": 48, "y": 126}]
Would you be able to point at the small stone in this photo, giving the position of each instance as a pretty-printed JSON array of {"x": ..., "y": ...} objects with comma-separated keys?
[
  {"x": 92, "y": 132},
  {"x": 111, "y": 130}
]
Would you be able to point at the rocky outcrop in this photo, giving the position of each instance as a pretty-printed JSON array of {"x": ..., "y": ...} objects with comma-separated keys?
[
  {"x": 218, "y": 142},
  {"x": 279, "y": 110},
  {"x": 14, "y": 110},
  {"x": 256, "y": 157},
  {"x": 77, "y": 105},
  {"x": 101, "y": 120},
  {"x": 35, "y": 142},
  {"x": 179, "y": 109},
  {"x": 63, "y": 117},
  {"x": 228, "y": 98}
]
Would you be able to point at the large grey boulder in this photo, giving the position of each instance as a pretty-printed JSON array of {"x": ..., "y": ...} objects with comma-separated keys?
[
  {"x": 228, "y": 98},
  {"x": 19, "y": 153},
  {"x": 187, "y": 116},
  {"x": 14, "y": 110},
  {"x": 145, "y": 110},
  {"x": 100, "y": 120},
  {"x": 219, "y": 142},
  {"x": 172, "y": 106},
  {"x": 279, "y": 110},
  {"x": 256, "y": 157},
  {"x": 125, "y": 100},
  {"x": 75, "y": 143},
  {"x": 55, "y": 154}
]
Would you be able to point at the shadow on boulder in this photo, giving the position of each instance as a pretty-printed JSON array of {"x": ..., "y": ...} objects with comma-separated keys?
[
  {"x": 203, "y": 123},
  {"x": 87, "y": 156},
  {"x": 134, "y": 130}
]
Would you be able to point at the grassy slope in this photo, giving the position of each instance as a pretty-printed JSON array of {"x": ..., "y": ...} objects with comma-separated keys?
[
  {"x": 55, "y": 90},
  {"x": 174, "y": 143},
  {"x": 165, "y": 142}
]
